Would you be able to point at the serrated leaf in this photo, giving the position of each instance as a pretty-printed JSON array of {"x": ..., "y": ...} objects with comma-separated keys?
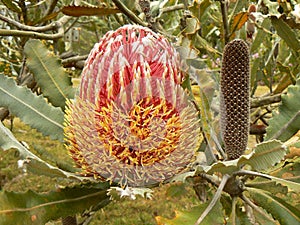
[
  {"x": 34, "y": 163},
  {"x": 48, "y": 72},
  {"x": 38, "y": 208},
  {"x": 281, "y": 210},
  {"x": 286, "y": 33},
  {"x": 31, "y": 109},
  {"x": 284, "y": 124},
  {"x": 263, "y": 156},
  {"x": 190, "y": 217},
  {"x": 88, "y": 11}
]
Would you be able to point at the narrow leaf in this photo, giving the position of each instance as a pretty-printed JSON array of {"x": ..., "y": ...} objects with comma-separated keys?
[
  {"x": 48, "y": 72},
  {"x": 238, "y": 21},
  {"x": 281, "y": 210},
  {"x": 286, "y": 122},
  {"x": 31, "y": 109},
  {"x": 261, "y": 35},
  {"x": 11, "y": 5},
  {"x": 34, "y": 163},
  {"x": 286, "y": 33},
  {"x": 38, "y": 208},
  {"x": 88, "y": 11}
]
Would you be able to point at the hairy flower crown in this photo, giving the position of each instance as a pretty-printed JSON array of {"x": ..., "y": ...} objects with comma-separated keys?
[{"x": 131, "y": 122}]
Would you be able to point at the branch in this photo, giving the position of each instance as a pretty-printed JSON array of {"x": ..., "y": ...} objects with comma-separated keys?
[
  {"x": 214, "y": 200},
  {"x": 129, "y": 13},
  {"x": 225, "y": 20},
  {"x": 77, "y": 61},
  {"x": 255, "y": 207},
  {"x": 33, "y": 34},
  {"x": 255, "y": 103},
  {"x": 26, "y": 27}
]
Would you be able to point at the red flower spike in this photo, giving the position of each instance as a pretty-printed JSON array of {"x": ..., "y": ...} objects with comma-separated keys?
[{"x": 132, "y": 122}]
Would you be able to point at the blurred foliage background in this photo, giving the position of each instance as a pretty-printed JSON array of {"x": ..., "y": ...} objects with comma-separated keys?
[{"x": 61, "y": 33}]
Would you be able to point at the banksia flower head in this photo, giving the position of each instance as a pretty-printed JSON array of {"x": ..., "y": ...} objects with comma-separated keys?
[
  {"x": 235, "y": 98},
  {"x": 131, "y": 122}
]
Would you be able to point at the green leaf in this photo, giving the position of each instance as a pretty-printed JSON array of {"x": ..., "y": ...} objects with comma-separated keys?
[
  {"x": 261, "y": 35},
  {"x": 286, "y": 33},
  {"x": 190, "y": 217},
  {"x": 48, "y": 72},
  {"x": 31, "y": 109},
  {"x": 263, "y": 156},
  {"x": 281, "y": 210},
  {"x": 88, "y": 11},
  {"x": 286, "y": 122},
  {"x": 38, "y": 208},
  {"x": 11, "y": 5},
  {"x": 33, "y": 162}
]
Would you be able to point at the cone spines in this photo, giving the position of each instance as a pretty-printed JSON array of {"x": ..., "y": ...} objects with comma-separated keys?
[{"x": 235, "y": 99}]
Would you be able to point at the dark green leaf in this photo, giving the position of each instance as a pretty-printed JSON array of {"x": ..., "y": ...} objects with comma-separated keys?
[
  {"x": 281, "y": 210},
  {"x": 38, "y": 208}
]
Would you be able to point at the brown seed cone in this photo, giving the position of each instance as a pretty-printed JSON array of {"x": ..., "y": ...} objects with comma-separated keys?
[{"x": 235, "y": 99}]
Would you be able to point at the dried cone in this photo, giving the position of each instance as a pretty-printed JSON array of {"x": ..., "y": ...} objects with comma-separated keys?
[
  {"x": 235, "y": 99},
  {"x": 131, "y": 122}
]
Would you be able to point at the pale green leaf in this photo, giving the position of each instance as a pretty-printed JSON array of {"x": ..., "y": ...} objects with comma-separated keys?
[
  {"x": 263, "y": 156},
  {"x": 286, "y": 33},
  {"x": 38, "y": 208},
  {"x": 31, "y": 109},
  {"x": 286, "y": 122},
  {"x": 48, "y": 72}
]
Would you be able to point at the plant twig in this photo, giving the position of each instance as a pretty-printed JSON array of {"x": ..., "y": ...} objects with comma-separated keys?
[
  {"x": 225, "y": 21},
  {"x": 233, "y": 208},
  {"x": 255, "y": 207},
  {"x": 214, "y": 200},
  {"x": 26, "y": 27},
  {"x": 129, "y": 13},
  {"x": 33, "y": 34},
  {"x": 258, "y": 102}
]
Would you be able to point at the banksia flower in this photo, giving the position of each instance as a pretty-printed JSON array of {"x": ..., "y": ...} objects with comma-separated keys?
[
  {"x": 235, "y": 98},
  {"x": 131, "y": 122}
]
